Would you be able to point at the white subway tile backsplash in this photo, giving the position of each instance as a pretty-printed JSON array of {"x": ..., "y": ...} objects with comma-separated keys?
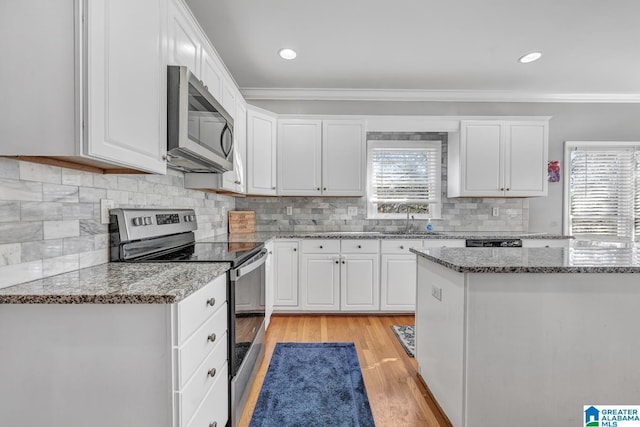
[
  {"x": 9, "y": 254},
  {"x": 61, "y": 229},
  {"x": 18, "y": 273},
  {"x": 50, "y": 216},
  {"x": 40, "y": 211},
  {"x": 40, "y": 172},
  {"x": 59, "y": 193},
  {"x": 9, "y": 211},
  {"x": 59, "y": 265},
  {"x": 11, "y": 189}
]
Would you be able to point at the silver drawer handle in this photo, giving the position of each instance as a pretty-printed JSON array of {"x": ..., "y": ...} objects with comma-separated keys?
[
  {"x": 213, "y": 424},
  {"x": 212, "y": 337},
  {"x": 211, "y": 302},
  {"x": 212, "y": 372}
]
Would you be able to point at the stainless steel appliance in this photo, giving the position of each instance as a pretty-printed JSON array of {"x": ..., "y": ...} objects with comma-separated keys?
[
  {"x": 199, "y": 130},
  {"x": 493, "y": 243},
  {"x": 166, "y": 235}
]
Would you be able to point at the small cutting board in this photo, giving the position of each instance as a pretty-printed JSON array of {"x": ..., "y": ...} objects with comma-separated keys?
[{"x": 242, "y": 222}]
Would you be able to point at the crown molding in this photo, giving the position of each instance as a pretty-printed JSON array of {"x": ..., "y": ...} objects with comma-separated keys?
[{"x": 293, "y": 94}]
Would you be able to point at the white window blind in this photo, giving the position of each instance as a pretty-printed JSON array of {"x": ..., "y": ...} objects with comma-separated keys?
[
  {"x": 404, "y": 173},
  {"x": 603, "y": 189}
]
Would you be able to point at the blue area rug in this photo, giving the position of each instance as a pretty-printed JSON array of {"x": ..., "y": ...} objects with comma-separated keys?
[{"x": 318, "y": 384}]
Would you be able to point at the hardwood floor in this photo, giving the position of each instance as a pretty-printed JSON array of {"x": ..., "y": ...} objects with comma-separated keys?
[{"x": 397, "y": 396}]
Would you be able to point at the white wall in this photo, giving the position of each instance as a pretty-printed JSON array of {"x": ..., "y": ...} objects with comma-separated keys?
[{"x": 570, "y": 122}]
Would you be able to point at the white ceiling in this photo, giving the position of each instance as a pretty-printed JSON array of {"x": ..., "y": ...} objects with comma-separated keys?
[{"x": 591, "y": 48}]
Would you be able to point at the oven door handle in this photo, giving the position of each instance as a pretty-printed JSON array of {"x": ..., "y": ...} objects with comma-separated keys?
[{"x": 257, "y": 262}]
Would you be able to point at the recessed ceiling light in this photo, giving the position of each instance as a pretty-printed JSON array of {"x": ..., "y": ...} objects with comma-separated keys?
[
  {"x": 529, "y": 57},
  {"x": 287, "y": 53}
]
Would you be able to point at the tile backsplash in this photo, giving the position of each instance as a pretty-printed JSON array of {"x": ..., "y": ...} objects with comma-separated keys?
[
  {"x": 332, "y": 213},
  {"x": 50, "y": 216}
]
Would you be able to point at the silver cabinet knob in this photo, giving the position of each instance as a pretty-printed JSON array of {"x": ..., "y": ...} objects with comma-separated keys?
[
  {"x": 318, "y": 189},
  {"x": 212, "y": 337},
  {"x": 337, "y": 262},
  {"x": 320, "y": 246},
  {"x": 212, "y": 372},
  {"x": 273, "y": 188},
  {"x": 359, "y": 246},
  {"x": 401, "y": 246},
  {"x": 294, "y": 249},
  {"x": 324, "y": 188},
  {"x": 343, "y": 262},
  {"x": 213, "y": 424},
  {"x": 211, "y": 302}
]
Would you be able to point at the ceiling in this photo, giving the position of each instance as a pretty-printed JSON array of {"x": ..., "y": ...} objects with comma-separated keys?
[{"x": 427, "y": 48}]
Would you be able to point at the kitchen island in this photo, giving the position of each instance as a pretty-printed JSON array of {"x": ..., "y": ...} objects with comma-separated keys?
[{"x": 526, "y": 337}]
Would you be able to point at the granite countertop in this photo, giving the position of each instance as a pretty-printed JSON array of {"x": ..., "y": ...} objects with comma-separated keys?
[
  {"x": 117, "y": 283},
  {"x": 535, "y": 260},
  {"x": 266, "y": 236}
]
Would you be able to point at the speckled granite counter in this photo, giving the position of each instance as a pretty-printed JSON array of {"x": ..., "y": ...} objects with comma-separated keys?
[
  {"x": 117, "y": 283},
  {"x": 266, "y": 236},
  {"x": 535, "y": 260}
]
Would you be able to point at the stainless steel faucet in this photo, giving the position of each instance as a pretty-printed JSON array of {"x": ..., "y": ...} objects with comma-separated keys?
[{"x": 408, "y": 227}]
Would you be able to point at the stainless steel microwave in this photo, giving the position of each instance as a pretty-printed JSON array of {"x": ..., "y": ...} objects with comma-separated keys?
[{"x": 199, "y": 130}]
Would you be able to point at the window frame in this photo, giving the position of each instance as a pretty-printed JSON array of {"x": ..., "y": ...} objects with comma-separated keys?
[
  {"x": 570, "y": 146},
  {"x": 435, "y": 209}
]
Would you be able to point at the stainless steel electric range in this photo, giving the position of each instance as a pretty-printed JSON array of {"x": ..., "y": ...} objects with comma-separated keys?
[{"x": 166, "y": 235}]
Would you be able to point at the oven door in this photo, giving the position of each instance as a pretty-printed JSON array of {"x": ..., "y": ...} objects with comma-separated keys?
[{"x": 246, "y": 295}]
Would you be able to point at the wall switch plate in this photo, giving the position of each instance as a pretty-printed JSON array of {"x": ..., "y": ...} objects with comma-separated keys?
[
  {"x": 352, "y": 211},
  {"x": 495, "y": 211},
  {"x": 105, "y": 205},
  {"x": 436, "y": 292},
  {"x": 289, "y": 210}
]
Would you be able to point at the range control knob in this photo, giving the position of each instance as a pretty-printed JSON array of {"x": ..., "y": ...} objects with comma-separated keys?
[
  {"x": 147, "y": 220},
  {"x": 187, "y": 218},
  {"x": 138, "y": 221},
  {"x": 192, "y": 218}
]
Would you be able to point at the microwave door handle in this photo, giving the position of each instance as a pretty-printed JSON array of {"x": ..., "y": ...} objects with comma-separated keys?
[{"x": 224, "y": 130}]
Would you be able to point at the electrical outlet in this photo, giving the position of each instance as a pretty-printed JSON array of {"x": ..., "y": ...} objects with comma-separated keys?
[
  {"x": 352, "y": 211},
  {"x": 289, "y": 210},
  {"x": 495, "y": 211},
  {"x": 105, "y": 205}
]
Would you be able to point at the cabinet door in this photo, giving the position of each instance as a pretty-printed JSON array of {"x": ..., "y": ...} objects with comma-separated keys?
[
  {"x": 211, "y": 73},
  {"x": 320, "y": 282},
  {"x": 360, "y": 289},
  {"x": 299, "y": 157},
  {"x": 268, "y": 283},
  {"x": 481, "y": 158},
  {"x": 285, "y": 274},
  {"x": 398, "y": 282},
  {"x": 126, "y": 119},
  {"x": 261, "y": 153},
  {"x": 184, "y": 39},
  {"x": 343, "y": 157},
  {"x": 526, "y": 159}
]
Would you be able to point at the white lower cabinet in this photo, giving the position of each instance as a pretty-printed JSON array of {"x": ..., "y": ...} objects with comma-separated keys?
[
  {"x": 398, "y": 275},
  {"x": 285, "y": 275},
  {"x": 320, "y": 282},
  {"x": 268, "y": 284},
  {"x": 143, "y": 365}
]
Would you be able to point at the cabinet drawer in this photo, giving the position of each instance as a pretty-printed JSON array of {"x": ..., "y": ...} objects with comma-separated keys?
[
  {"x": 319, "y": 246},
  {"x": 196, "y": 348},
  {"x": 443, "y": 243},
  {"x": 399, "y": 246},
  {"x": 214, "y": 408},
  {"x": 189, "y": 398},
  {"x": 195, "y": 309},
  {"x": 357, "y": 246}
]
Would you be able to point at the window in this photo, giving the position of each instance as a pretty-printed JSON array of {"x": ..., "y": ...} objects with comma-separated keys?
[
  {"x": 603, "y": 190},
  {"x": 403, "y": 175}
]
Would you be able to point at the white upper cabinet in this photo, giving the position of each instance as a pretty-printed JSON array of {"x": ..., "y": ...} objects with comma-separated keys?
[
  {"x": 211, "y": 73},
  {"x": 261, "y": 152},
  {"x": 185, "y": 41},
  {"x": 299, "y": 157},
  {"x": 125, "y": 121},
  {"x": 498, "y": 159},
  {"x": 101, "y": 66},
  {"x": 343, "y": 156},
  {"x": 321, "y": 157}
]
